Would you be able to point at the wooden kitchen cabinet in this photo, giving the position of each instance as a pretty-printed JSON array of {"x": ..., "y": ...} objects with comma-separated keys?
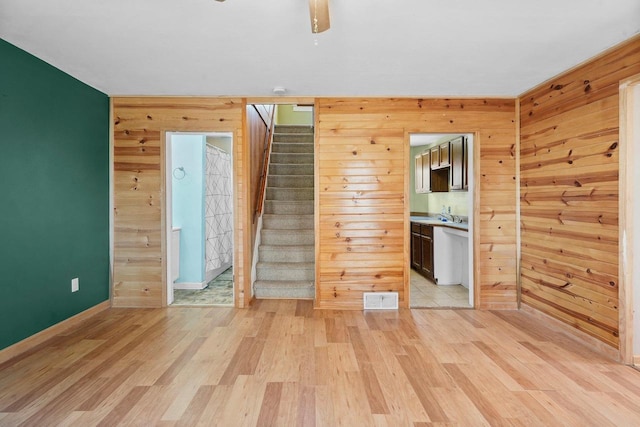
[
  {"x": 426, "y": 172},
  {"x": 440, "y": 156},
  {"x": 416, "y": 246},
  {"x": 422, "y": 249},
  {"x": 444, "y": 154},
  {"x": 465, "y": 165},
  {"x": 457, "y": 164},
  {"x": 418, "y": 174},
  {"x": 422, "y": 165},
  {"x": 458, "y": 175},
  {"x": 435, "y": 157}
]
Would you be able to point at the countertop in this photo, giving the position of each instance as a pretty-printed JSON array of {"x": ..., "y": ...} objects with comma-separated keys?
[{"x": 436, "y": 222}]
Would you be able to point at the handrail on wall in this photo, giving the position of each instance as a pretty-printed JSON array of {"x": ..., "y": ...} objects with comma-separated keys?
[{"x": 265, "y": 165}]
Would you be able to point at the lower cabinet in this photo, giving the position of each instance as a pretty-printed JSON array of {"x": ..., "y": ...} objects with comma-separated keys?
[
  {"x": 416, "y": 249},
  {"x": 422, "y": 249}
]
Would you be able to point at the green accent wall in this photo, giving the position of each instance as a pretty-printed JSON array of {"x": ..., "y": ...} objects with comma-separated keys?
[
  {"x": 287, "y": 116},
  {"x": 54, "y": 195}
]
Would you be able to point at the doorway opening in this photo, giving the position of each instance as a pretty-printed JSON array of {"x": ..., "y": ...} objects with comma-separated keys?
[
  {"x": 629, "y": 213},
  {"x": 441, "y": 220},
  {"x": 284, "y": 259},
  {"x": 200, "y": 218}
]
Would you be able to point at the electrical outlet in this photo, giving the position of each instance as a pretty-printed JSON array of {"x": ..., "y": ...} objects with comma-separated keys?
[{"x": 75, "y": 285}]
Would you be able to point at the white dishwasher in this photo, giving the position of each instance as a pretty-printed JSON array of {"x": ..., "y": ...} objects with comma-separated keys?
[{"x": 451, "y": 256}]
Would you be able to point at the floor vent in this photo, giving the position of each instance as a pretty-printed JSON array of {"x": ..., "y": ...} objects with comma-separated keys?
[{"x": 380, "y": 300}]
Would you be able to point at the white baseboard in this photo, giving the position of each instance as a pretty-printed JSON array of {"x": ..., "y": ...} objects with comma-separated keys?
[
  {"x": 193, "y": 286},
  {"x": 42, "y": 336},
  {"x": 212, "y": 274}
]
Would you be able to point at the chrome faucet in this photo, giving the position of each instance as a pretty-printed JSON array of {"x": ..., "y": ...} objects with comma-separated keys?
[{"x": 444, "y": 215}]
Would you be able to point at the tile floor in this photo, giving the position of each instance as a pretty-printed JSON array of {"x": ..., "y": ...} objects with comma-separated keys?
[
  {"x": 219, "y": 291},
  {"x": 425, "y": 293}
]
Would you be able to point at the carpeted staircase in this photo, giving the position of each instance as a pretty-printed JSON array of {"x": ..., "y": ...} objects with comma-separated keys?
[{"x": 286, "y": 256}]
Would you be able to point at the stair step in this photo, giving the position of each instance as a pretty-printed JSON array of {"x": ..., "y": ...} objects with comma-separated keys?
[
  {"x": 285, "y": 271},
  {"x": 287, "y": 253},
  {"x": 292, "y": 158},
  {"x": 291, "y": 147},
  {"x": 290, "y": 181},
  {"x": 277, "y": 193},
  {"x": 284, "y": 169},
  {"x": 287, "y": 222},
  {"x": 293, "y": 129},
  {"x": 304, "y": 207},
  {"x": 303, "y": 289},
  {"x": 293, "y": 137},
  {"x": 280, "y": 237}
]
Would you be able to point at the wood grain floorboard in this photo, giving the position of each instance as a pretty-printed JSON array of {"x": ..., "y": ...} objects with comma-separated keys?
[
  {"x": 270, "y": 404},
  {"x": 372, "y": 386},
  {"x": 92, "y": 400},
  {"x": 503, "y": 364},
  {"x": 282, "y": 363},
  {"x": 173, "y": 370},
  {"x": 125, "y": 405}
]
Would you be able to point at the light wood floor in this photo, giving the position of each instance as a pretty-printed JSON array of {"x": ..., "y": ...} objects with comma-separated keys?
[{"x": 282, "y": 363}]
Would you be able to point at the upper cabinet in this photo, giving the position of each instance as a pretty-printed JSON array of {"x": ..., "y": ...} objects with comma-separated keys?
[
  {"x": 423, "y": 172},
  {"x": 444, "y": 154},
  {"x": 418, "y": 173},
  {"x": 459, "y": 164},
  {"x": 465, "y": 164},
  {"x": 426, "y": 172},
  {"x": 440, "y": 156},
  {"x": 435, "y": 157},
  {"x": 442, "y": 167}
]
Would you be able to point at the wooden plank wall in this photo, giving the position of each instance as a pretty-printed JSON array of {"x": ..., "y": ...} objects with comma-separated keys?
[
  {"x": 362, "y": 164},
  {"x": 569, "y": 193},
  {"x": 139, "y": 126},
  {"x": 258, "y": 122}
]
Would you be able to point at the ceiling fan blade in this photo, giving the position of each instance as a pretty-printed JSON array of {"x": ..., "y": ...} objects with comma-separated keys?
[{"x": 319, "y": 9}]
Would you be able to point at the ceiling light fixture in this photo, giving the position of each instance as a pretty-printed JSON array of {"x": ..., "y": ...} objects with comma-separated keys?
[{"x": 319, "y": 12}]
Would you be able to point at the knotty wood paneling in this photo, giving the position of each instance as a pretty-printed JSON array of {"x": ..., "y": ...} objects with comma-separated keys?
[
  {"x": 569, "y": 193},
  {"x": 139, "y": 127},
  {"x": 258, "y": 123},
  {"x": 362, "y": 170},
  {"x": 362, "y": 175}
]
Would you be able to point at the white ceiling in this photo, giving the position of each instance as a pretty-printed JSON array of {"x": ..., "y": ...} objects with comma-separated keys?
[{"x": 374, "y": 47}]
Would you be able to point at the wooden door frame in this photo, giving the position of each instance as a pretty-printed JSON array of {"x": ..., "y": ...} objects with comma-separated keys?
[
  {"x": 474, "y": 224},
  {"x": 626, "y": 216},
  {"x": 165, "y": 155}
]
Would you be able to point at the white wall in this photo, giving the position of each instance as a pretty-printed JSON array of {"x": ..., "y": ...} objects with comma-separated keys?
[{"x": 188, "y": 203}]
